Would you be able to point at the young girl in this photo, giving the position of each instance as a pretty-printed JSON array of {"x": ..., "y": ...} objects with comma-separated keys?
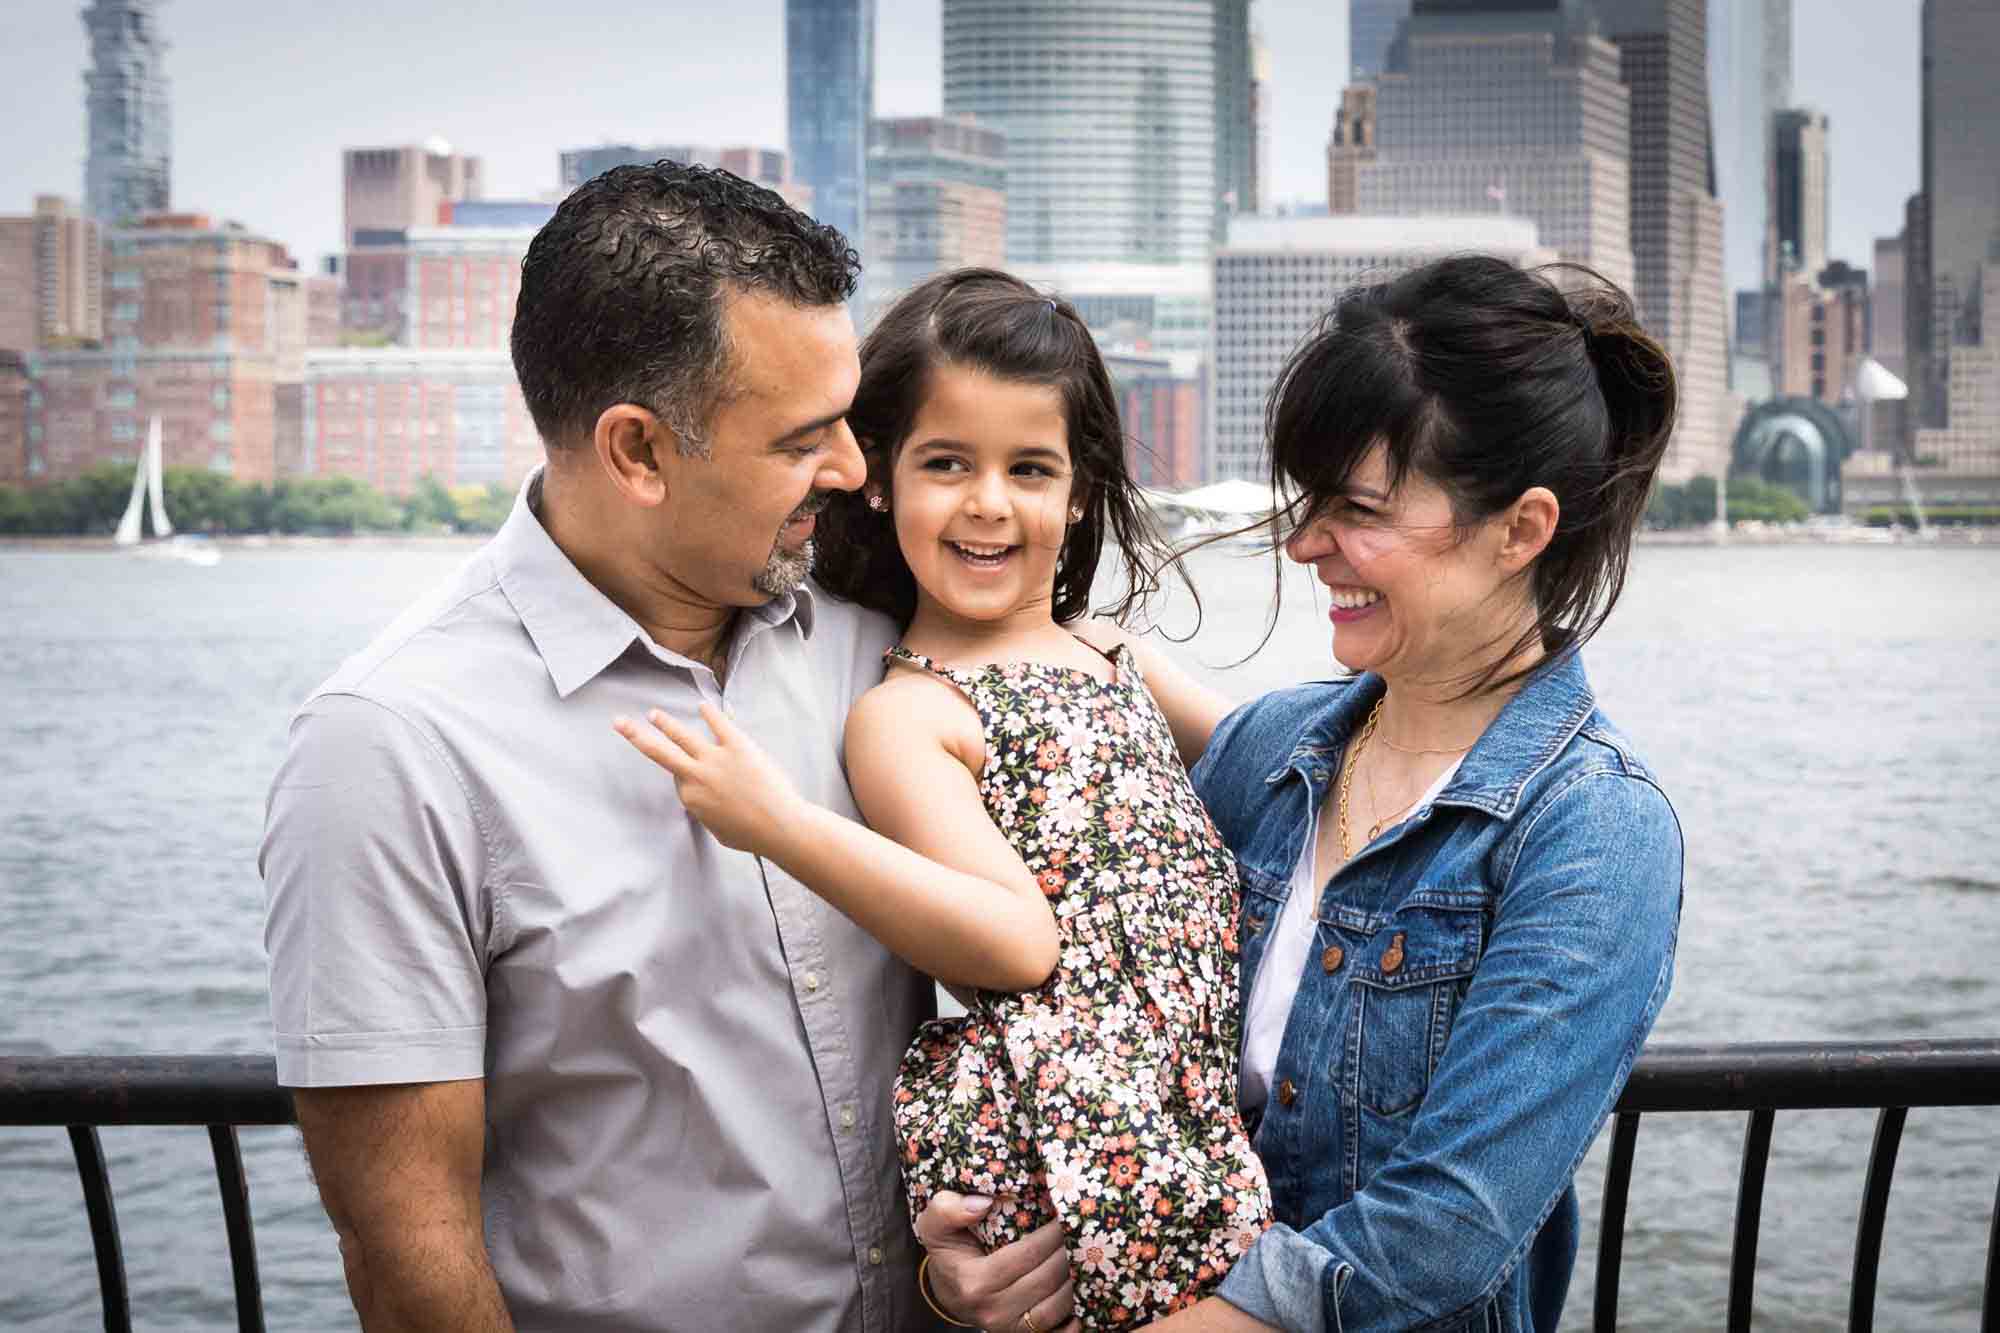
[{"x": 1047, "y": 847}]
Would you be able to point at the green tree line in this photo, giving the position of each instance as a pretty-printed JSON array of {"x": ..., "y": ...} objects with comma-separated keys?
[
  {"x": 1692, "y": 504},
  {"x": 202, "y": 501}
]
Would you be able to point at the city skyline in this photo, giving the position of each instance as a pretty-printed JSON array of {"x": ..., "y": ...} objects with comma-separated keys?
[{"x": 1855, "y": 61}]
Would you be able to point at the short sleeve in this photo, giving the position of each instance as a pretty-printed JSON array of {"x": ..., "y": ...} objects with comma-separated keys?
[{"x": 376, "y": 920}]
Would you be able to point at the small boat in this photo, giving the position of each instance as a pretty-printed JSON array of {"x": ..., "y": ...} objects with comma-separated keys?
[{"x": 146, "y": 488}]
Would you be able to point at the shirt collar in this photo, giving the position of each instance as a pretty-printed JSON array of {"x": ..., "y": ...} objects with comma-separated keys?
[
  {"x": 1541, "y": 718},
  {"x": 576, "y": 629}
]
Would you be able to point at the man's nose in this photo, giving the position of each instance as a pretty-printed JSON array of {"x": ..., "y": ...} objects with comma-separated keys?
[{"x": 844, "y": 469}]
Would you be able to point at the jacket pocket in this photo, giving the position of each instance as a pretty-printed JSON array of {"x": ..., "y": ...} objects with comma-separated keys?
[{"x": 1410, "y": 974}]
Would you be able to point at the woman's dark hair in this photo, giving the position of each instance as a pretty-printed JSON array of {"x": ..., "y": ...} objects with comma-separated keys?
[
  {"x": 992, "y": 322},
  {"x": 1489, "y": 380}
]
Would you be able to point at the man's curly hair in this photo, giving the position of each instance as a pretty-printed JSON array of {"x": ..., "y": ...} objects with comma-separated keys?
[{"x": 622, "y": 294}]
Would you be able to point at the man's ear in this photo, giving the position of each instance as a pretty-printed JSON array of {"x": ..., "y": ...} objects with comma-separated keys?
[
  {"x": 1527, "y": 527},
  {"x": 628, "y": 442}
]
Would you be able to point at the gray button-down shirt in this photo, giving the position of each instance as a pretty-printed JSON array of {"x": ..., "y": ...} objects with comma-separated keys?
[{"x": 688, "y": 1055}]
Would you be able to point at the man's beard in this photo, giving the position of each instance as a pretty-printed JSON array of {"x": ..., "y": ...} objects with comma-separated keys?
[{"x": 785, "y": 572}]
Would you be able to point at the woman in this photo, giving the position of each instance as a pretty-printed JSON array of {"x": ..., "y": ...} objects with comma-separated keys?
[{"x": 1461, "y": 887}]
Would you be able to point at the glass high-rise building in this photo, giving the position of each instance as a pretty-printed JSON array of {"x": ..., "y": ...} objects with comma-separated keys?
[
  {"x": 1371, "y": 27},
  {"x": 829, "y": 98},
  {"x": 1750, "y": 81},
  {"x": 1116, "y": 151},
  {"x": 128, "y": 172}
]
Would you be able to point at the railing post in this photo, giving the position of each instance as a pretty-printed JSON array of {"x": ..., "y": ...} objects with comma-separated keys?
[
  {"x": 1611, "y": 1226},
  {"x": 1989, "y": 1320},
  {"x": 1749, "y": 1215},
  {"x": 236, "y": 1221},
  {"x": 103, "y": 1216},
  {"x": 1874, "y": 1210}
]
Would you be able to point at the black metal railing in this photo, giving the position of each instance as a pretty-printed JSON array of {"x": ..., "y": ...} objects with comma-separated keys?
[{"x": 222, "y": 1093}]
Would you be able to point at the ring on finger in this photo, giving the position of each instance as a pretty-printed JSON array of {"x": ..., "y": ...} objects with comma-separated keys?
[{"x": 1028, "y": 1322}]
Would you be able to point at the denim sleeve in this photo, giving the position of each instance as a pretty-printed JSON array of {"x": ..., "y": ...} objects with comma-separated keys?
[{"x": 1575, "y": 972}]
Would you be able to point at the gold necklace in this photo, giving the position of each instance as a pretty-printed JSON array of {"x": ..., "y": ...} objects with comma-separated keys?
[{"x": 1353, "y": 761}]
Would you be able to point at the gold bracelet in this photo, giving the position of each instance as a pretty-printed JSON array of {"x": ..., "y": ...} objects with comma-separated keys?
[{"x": 924, "y": 1290}]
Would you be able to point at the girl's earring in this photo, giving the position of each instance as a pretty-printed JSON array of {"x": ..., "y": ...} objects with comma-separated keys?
[
  {"x": 1076, "y": 514},
  {"x": 878, "y": 504}
]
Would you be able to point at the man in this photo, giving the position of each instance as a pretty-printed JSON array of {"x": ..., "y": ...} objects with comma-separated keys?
[{"x": 561, "y": 1060}]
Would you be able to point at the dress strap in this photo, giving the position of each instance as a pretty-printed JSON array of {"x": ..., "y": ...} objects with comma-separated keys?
[{"x": 899, "y": 653}]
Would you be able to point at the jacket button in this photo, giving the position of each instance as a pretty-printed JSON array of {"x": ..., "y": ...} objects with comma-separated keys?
[
  {"x": 1392, "y": 957},
  {"x": 1287, "y": 1093},
  {"x": 1332, "y": 959}
]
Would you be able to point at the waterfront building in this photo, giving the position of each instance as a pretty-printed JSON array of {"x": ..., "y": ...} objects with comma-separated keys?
[
  {"x": 1352, "y": 143},
  {"x": 1677, "y": 222},
  {"x": 1262, "y": 95},
  {"x": 1801, "y": 195},
  {"x": 937, "y": 200},
  {"x": 1960, "y": 205},
  {"x": 768, "y": 167},
  {"x": 1276, "y": 277},
  {"x": 206, "y": 326},
  {"x": 1750, "y": 81},
  {"x": 829, "y": 98},
  {"x": 51, "y": 277},
  {"x": 390, "y": 189},
  {"x": 394, "y": 415},
  {"x": 1115, "y": 149},
  {"x": 129, "y": 171},
  {"x": 15, "y": 388},
  {"x": 1969, "y": 441},
  {"x": 1514, "y": 107},
  {"x": 1160, "y": 397},
  {"x": 1371, "y": 27}
]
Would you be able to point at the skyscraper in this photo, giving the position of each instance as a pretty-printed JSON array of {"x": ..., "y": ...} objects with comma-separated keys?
[
  {"x": 1115, "y": 150},
  {"x": 1353, "y": 143},
  {"x": 1801, "y": 196},
  {"x": 1511, "y": 106},
  {"x": 1235, "y": 113},
  {"x": 128, "y": 173},
  {"x": 1961, "y": 181},
  {"x": 829, "y": 97},
  {"x": 1371, "y": 27},
  {"x": 1750, "y": 81},
  {"x": 1677, "y": 222}
]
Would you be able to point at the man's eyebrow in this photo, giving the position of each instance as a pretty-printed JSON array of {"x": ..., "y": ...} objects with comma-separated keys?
[{"x": 798, "y": 432}]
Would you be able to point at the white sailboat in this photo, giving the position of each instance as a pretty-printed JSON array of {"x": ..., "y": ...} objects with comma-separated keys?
[{"x": 146, "y": 492}]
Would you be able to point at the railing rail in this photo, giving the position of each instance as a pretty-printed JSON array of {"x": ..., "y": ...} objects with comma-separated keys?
[{"x": 223, "y": 1093}]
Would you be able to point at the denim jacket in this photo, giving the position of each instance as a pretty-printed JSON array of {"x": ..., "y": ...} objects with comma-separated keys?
[{"x": 1482, "y": 977}]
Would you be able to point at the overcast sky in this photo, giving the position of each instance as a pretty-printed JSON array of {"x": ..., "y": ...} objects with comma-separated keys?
[{"x": 266, "y": 94}]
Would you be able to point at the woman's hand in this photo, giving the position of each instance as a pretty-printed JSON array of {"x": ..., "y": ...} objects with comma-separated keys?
[{"x": 728, "y": 782}]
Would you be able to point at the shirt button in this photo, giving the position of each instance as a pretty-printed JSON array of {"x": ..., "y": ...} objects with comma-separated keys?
[
  {"x": 811, "y": 980},
  {"x": 847, "y": 1117},
  {"x": 1332, "y": 958},
  {"x": 1287, "y": 1093},
  {"x": 875, "y": 1254},
  {"x": 1392, "y": 957}
]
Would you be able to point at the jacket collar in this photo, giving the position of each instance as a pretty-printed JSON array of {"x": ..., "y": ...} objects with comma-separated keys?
[
  {"x": 576, "y": 629},
  {"x": 1531, "y": 730}
]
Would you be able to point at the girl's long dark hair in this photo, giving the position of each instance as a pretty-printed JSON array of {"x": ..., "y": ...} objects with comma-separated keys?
[
  {"x": 992, "y": 322},
  {"x": 1489, "y": 380}
]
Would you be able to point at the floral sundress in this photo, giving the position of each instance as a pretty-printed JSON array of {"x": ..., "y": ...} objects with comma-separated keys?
[{"x": 1107, "y": 1097}]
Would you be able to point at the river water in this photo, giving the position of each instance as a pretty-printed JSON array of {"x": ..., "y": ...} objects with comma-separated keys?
[{"x": 1827, "y": 720}]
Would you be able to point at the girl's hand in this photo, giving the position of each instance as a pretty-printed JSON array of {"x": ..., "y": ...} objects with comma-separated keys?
[{"x": 729, "y": 783}]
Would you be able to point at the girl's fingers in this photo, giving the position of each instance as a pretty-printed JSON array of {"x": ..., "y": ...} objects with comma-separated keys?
[
  {"x": 659, "y": 748},
  {"x": 688, "y": 738}
]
